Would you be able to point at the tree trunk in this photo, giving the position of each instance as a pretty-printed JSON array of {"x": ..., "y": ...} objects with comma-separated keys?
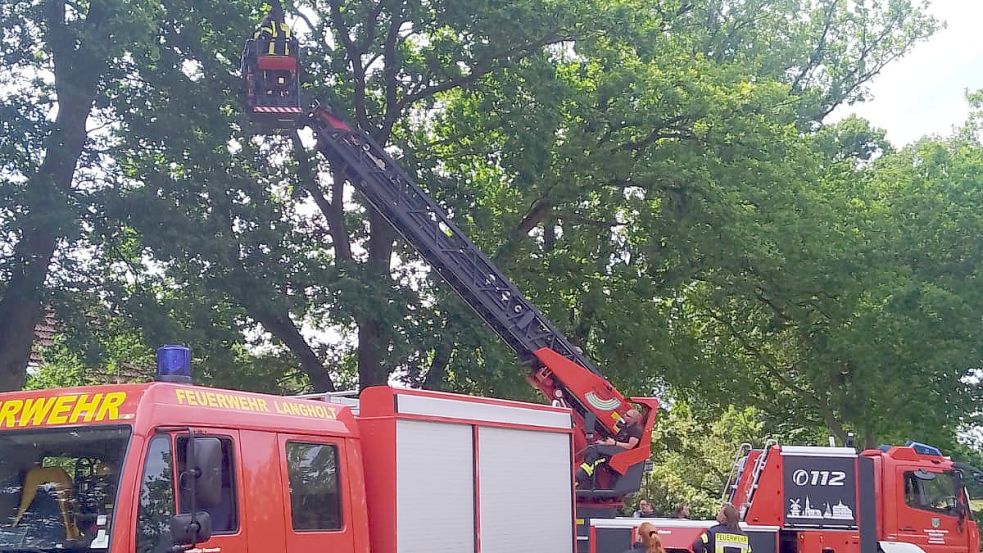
[
  {"x": 287, "y": 332},
  {"x": 373, "y": 329},
  {"x": 20, "y": 307},
  {"x": 372, "y": 342},
  {"x": 834, "y": 426},
  {"x": 437, "y": 374},
  {"x": 78, "y": 68}
]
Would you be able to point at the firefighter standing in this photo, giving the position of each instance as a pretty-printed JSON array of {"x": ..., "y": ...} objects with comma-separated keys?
[
  {"x": 275, "y": 34},
  {"x": 726, "y": 536},
  {"x": 273, "y": 63}
]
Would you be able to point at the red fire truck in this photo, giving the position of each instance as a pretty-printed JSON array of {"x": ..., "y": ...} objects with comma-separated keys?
[
  {"x": 793, "y": 499},
  {"x": 170, "y": 466}
]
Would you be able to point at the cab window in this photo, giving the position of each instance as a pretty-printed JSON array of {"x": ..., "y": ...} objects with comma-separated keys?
[
  {"x": 225, "y": 515},
  {"x": 931, "y": 491},
  {"x": 156, "y": 498},
  {"x": 315, "y": 500}
]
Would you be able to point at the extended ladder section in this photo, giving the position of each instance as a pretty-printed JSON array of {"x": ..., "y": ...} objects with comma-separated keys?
[
  {"x": 441, "y": 243},
  {"x": 559, "y": 370},
  {"x": 556, "y": 367}
]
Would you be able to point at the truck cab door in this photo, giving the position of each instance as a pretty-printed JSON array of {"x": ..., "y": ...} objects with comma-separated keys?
[
  {"x": 318, "y": 515},
  {"x": 228, "y": 532},
  {"x": 932, "y": 512},
  {"x": 161, "y": 495}
]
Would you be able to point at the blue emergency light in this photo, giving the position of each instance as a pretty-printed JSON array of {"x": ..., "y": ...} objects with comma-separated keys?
[
  {"x": 174, "y": 364},
  {"x": 924, "y": 449}
]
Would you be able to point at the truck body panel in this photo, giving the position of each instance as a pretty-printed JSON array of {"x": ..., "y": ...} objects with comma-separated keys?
[
  {"x": 463, "y": 455},
  {"x": 261, "y": 476}
]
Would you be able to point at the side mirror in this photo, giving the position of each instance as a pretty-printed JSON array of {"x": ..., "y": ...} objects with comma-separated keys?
[
  {"x": 207, "y": 455},
  {"x": 188, "y": 529}
]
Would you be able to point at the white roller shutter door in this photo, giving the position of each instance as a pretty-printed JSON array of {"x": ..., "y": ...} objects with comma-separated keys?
[
  {"x": 525, "y": 490},
  {"x": 435, "y": 487}
]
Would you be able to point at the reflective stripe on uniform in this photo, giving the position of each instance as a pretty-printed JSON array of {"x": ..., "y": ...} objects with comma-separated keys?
[
  {"x": 590, "y": 467},
  {"x": 271, "y": 48},
  {"x": 725, "y": 542},
  {"x": 286, "y": 38}
]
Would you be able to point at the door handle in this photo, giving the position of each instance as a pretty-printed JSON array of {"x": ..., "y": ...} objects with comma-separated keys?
[{"x": 907, "y": 529}]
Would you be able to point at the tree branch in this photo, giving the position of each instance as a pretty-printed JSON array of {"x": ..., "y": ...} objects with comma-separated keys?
[
  {"x": 674, "y": 127},
  {"x": 333, "y": 211},
  {"x": 58, "y": 37},
  {"x": 858, "y": 78},
  {"x": 354, "y": 55},
  {"x": 761, "y": 295},
  {"x": 538, "y": 211},
  {"x": 765, "y": 359},
  {"x": 371, "y": 19},
  {"x": 481, "y": 69},
  {"x": 393, "y": 111},
  {"x": 818, "y": 51}
]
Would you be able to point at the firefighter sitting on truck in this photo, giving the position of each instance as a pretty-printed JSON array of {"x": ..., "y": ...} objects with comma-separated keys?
[
  {"x": 724, "y": 537},
  {"x": 631, "y": 434},
  {"x": 628, "y": 438}
]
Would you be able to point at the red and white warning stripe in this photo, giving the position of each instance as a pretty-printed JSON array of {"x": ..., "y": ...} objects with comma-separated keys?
[{"x": 270, "y": 109}]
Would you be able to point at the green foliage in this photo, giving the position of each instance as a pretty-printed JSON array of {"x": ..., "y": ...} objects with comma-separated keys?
[
  {"x": 685, "y": 212},
  {"x": 694, "y": 451}
]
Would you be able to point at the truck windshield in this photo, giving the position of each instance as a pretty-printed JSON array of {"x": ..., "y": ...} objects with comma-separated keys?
[{"x": 58, "y": 488}]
